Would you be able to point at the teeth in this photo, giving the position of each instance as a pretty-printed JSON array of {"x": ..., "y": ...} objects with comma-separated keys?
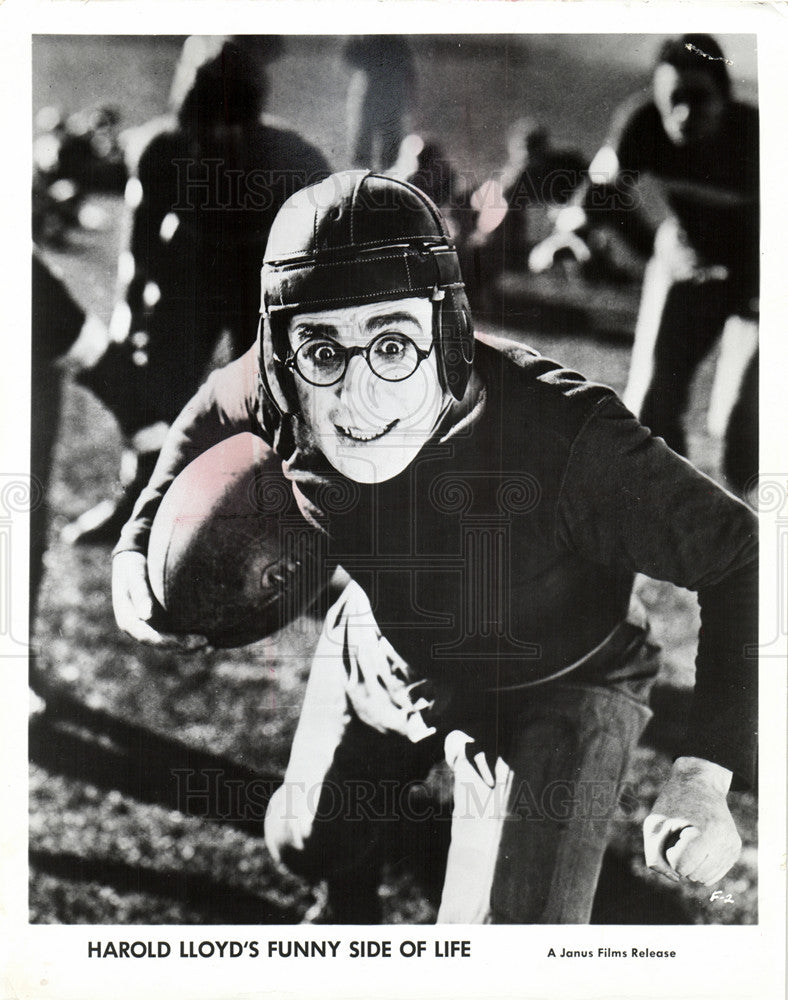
[
  {"x": 358, "y": 435},
  {"x": 361, "y": 436}
]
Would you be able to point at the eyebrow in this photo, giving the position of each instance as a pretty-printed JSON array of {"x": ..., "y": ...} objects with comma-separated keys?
[
  {"x": 376, "y": 322},
  {"x": 307, "y": 330}
]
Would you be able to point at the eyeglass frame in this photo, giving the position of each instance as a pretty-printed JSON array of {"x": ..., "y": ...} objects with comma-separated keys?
[{"x": 291, "y": 361}]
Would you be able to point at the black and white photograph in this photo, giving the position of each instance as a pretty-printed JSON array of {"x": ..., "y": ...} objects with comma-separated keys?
[{"x": 397, "y": 479}]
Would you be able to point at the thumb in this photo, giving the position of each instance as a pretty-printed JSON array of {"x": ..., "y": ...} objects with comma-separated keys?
[
  {"x": 676, "y": 846},
  {"x": 660, "y": 834}
]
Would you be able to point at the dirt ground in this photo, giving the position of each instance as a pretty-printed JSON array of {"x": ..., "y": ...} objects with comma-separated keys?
[{"x": 114, "y": 836}]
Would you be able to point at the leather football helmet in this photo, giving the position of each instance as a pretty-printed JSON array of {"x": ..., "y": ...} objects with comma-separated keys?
[{"x": 360, "y": 237}]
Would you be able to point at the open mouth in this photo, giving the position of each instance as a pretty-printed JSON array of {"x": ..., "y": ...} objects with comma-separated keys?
[{"x": 364, "y": 436}]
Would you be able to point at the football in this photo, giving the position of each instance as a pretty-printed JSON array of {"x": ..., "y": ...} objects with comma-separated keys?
[{"x": 230, "y": 557}]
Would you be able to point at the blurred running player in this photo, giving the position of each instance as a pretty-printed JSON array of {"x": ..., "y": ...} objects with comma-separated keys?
[
  {"x": 201, "y": 202},
  {"x": 702, "y": 147}
]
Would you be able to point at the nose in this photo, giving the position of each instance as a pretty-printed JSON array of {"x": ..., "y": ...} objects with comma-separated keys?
[
  {"x": 359, "y": 391},
  {"x": 356, "y": 371},
  {"x": 355, "y": 380}
]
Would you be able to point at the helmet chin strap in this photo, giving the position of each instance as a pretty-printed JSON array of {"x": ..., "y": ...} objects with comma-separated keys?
[{"x": 437, "y": 297}]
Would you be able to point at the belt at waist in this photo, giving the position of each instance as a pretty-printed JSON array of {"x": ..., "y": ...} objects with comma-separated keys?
[{"x": 608, "y": 656}]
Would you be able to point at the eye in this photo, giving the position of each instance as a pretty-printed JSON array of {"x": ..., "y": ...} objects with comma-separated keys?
[
  {"x": 391, "y": 345},
  {"x": 320, "y": 352}
]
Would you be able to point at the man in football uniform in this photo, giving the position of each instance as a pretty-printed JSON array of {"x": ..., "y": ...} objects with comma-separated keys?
[
  {"x": 484, "y": 512},
  {"x": 701, "y": 146}
]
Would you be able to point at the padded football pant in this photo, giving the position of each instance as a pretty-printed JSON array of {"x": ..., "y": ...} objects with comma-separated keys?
[
  {"x": 678, "y": 324},
  {"x": 529, "y": 824}
]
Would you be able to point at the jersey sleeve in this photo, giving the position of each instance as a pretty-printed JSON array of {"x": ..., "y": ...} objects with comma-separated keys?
[
  {"x": 226, "y": 405},
  {"x": 628, "y": 500},
  {"x": 609, "y": 195}
]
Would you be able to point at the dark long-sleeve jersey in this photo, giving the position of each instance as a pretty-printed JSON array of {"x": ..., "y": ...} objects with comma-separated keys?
[{"x": 506, "y": 551}]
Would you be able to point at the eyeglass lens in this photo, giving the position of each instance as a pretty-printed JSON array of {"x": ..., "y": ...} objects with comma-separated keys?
[{"x": 392, "y": 357}]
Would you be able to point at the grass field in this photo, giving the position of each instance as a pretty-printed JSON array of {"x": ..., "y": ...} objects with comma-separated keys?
[{"x": 111, "y": 835}]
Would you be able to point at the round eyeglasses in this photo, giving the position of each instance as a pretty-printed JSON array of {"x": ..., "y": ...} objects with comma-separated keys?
[{"x": 393, "y": 357}]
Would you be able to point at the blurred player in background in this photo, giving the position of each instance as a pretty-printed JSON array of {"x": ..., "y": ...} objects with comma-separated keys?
[
  {"x": 262, "y": 50},
  {"x": 423, "y": 162},
  {"x": 514, "y": 205},
  {"x": 380, "y": 96},
  {"x": 701, "y": 145},
  {"x": 73, "y": 157},
  {"x": 203, "y": 196},
  {"x": 63, "y": 336}
]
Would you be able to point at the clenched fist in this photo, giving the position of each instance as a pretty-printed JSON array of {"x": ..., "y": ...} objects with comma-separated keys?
[{"x": 690, "y": 833}]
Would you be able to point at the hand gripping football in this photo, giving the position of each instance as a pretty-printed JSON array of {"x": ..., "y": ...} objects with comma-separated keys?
[{"x": 230, "y": 556}]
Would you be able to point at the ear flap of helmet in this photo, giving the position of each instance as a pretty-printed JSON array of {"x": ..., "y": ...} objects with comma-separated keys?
[
  {"x": 272, "y": 350},
  {"x": 453, "y": 333}
]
